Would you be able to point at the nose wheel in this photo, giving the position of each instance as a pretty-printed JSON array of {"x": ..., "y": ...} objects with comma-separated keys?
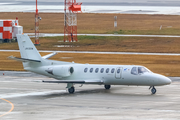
[
  {"x": 107, "y": 86},
  {"x": 153, "y": 90}
]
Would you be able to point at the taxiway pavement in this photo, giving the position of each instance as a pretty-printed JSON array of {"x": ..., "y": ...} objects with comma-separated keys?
[{"x": 35, "y": 100}]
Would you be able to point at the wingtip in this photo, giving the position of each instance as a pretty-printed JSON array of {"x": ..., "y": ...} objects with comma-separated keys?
[{"x": 10, "y": 57}]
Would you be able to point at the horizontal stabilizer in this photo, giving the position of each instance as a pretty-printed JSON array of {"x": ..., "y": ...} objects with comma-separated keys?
[
  {"x": 77, "y": 81},
  {"x": 49, "y": 55},
  {"x": 22, "y": 59}
]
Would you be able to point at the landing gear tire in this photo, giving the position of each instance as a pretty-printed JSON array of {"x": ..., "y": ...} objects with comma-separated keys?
[
  {"x": 153, "y": 90},
  {"x": 71, "y": 90},
  {"x": 107, "y": 86}
]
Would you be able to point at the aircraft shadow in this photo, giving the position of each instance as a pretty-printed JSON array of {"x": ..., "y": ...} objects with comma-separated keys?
[{"x": 100, "y": 91}]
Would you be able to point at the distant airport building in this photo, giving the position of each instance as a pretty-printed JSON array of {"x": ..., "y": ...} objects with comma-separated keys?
[{"x": 9, "y": 29}]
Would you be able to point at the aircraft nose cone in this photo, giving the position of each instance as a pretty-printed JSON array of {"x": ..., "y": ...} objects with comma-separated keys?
[
  {"x": 166, "y": 80},
  {"x": 161, "y": 80}
]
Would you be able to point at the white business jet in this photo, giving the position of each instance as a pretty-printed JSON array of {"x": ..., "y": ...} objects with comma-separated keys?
[{"x": 75, "y": 73}]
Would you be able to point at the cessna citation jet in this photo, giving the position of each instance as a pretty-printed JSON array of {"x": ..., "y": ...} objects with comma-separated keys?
[{"x": 74, "y": 73}]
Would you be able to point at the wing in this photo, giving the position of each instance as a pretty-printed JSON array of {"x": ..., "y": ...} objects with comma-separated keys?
[
  {"x": 22, "y": 59},
  {"x": 49, "y": 55},
  {"x": 77, "y": 81}
]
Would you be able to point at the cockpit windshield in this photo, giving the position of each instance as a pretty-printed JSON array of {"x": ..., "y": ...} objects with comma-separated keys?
[{"x": 139, "y": 70}]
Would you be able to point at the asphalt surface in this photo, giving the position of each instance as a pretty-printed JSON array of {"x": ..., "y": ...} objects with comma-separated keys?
[{"x": 25, "y": 97}]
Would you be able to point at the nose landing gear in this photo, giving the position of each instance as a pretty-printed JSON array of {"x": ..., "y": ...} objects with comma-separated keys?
[
  {"x": 107, "y": 86},
  {"x": 153, "y": 90}
]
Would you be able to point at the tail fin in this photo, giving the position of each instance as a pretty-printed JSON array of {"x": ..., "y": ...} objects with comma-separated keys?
[{"x": 27, "y": 48}]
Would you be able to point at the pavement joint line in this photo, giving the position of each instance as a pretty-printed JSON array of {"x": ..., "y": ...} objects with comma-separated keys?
[{"x": 12, "y": 107}]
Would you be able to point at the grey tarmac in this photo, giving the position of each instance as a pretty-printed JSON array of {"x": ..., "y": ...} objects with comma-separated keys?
[{"x": 35, "y": 100}]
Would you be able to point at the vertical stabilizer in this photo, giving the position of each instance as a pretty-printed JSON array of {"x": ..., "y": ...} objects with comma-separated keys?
[{"x": 27, "y": 48}]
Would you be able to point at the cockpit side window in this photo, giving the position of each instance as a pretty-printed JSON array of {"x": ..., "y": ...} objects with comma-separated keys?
[
  {"x": 134, "y": 71},
  {"x": 142, "y": 70},
  {"x": 139, "y": 70}
]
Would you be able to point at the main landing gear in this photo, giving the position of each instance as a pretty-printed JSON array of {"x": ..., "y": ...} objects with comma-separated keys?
[
  {"x": 71, "y": 90},
  {"x": 107, "y": 86},
  {"x": 153, "y": 90}
]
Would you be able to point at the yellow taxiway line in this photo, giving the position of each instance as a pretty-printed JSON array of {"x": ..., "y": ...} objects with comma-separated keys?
[{"x": 12, "y": 107}]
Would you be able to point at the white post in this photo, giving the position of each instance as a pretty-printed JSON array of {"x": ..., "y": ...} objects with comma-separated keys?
[{"x": 115, "y": 24}]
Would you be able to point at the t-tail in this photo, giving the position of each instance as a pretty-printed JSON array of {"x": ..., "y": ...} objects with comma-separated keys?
[
  {"x": 27, "y": 48},
  {"x": 29, "y": 54},
  {"x": 31, "y": 59}
]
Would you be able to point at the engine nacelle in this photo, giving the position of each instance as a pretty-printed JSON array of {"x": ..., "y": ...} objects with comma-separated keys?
[{"x": 61, "y": 71}]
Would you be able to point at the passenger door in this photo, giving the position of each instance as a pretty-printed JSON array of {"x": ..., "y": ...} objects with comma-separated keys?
[{"x": 118, "y": 72}]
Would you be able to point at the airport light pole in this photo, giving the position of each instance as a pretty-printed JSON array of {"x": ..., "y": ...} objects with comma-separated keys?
[{"x": 37, "y": 18}]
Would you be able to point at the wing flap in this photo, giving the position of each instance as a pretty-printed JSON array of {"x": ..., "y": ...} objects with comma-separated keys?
[
  {"x": 77, "y": 81},
  {"x": 22, "y": 59}
]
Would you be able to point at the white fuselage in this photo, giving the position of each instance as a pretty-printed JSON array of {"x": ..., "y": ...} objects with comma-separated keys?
[{"x": 109, "y": 74}]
